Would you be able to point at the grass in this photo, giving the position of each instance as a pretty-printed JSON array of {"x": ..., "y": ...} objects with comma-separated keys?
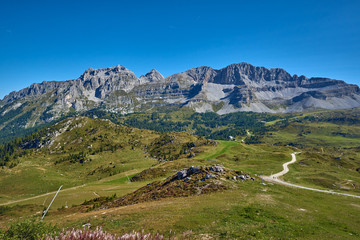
[
  {"x": 322, "y": 170},
  {"x": 251, "y": 211},
  {"x": 317, "y": 134},
  {"x": 328, "y": 160},
  {"x": 256, "y": 159},
  {"x": 329, "y": 156},
  {"x": 225, "y": 146},
  {"x": 109, "y": 149}
]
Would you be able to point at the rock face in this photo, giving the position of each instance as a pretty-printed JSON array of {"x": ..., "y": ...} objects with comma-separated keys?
[{"x": 237, "y": 87}]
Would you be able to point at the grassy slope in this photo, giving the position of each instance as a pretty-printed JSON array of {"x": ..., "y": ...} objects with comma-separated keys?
[
  {"x": 251, "y": 211},
  {"x": 37, "y": 172},
  {"x": 330, "y": 154}
]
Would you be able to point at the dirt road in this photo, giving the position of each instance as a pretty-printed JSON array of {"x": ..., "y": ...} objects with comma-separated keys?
[{"x": 275, "y": 179}]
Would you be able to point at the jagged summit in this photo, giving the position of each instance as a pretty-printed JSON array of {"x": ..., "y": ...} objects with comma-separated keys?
[
  {"x": 237, "y": 87},
  {"x": 153, "y": 76},
  {"x": 103, "y": 72},
  {"x": 239, "y": 73}
]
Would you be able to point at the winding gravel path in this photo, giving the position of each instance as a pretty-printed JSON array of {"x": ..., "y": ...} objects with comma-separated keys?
[
  {"x": 285, "y": 166},
  {"x": 275, "y": 179}
]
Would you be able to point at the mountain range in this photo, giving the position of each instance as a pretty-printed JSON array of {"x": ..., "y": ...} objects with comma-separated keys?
[{"x": 237, "y": 87}]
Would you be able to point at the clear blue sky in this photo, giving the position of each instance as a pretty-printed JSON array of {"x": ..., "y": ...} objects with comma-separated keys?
[{"x": 58, "y": 40}]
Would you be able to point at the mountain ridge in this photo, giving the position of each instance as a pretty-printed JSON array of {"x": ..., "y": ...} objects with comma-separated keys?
[
  {"x": 227, "y": 75},
  {"x": 236, "y": 87}
]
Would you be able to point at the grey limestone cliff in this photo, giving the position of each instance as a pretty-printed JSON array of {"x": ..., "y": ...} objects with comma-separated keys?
[{"x": 237, "y": 87}]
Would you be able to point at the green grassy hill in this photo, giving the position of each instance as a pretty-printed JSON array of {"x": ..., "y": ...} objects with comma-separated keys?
[
  {"x": 82, "y": 150},
  {"x": 99, "y": 161}
]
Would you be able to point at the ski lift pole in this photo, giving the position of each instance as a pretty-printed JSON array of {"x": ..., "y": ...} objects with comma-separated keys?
[{"x": 51, "y": 203}]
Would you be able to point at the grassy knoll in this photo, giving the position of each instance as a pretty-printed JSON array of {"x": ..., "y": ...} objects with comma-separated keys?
[
  {"x": 82, "y": 151},
  {"x": 250, "y": 211}
]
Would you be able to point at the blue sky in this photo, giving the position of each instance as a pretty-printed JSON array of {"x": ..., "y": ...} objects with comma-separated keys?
[{"x": 58, "y": 40}]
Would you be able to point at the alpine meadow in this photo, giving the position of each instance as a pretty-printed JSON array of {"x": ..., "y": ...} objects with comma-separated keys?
[{"x": 222, "y": 141}]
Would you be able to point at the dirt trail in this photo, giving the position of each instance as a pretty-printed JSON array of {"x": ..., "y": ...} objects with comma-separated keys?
[
  {"x": 285, "y": 166},
  {"x": 38, "y": 196},
  {"x": 63, "y": 190},
  {"x": 275, "y": 179}
]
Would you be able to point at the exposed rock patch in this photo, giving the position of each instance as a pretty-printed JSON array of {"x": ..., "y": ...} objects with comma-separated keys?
[{"x": 186, "y": 182}]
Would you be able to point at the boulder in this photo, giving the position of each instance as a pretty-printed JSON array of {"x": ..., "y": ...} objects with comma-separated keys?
[
  {"x": 209, "y": 175},
  {"x": 242, "y": 177},
  {"x": 182, "y": 173},
  {"x": 216, "y": 168},
  {"x": 193, "y": 170}
]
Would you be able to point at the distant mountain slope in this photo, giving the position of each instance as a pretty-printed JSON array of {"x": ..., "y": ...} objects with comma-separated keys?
[{"x": 237, "y": 87}]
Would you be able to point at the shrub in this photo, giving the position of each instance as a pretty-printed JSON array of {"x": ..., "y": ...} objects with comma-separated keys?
[{"x": 28, "y": 230}]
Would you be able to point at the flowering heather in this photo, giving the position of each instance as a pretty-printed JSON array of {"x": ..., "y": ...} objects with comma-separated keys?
[{"x": 99, "y": 234}]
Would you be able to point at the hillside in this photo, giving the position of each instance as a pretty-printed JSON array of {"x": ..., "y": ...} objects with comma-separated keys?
[
  {"x": 125, "y": 178},
  {"x": 79, "y": 150}
]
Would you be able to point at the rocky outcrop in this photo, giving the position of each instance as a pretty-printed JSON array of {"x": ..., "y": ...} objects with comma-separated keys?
[
  {"x": 186, "y": 182},
  {"x": 237, "y": 87}
]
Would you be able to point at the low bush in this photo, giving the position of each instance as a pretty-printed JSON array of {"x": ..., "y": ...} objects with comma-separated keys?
[{"x": 28, "y": 230}]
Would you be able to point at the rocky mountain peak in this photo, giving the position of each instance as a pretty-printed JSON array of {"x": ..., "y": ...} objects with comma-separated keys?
[
  {"x": 237, "y": 87},
  {"x": 239, "y": 72},
  {"x": 104, "y": 72},
  {"x": 153, "y": 71},
  {"x": 152, "y": 76},
  {"x": 197, "y": 75}
]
